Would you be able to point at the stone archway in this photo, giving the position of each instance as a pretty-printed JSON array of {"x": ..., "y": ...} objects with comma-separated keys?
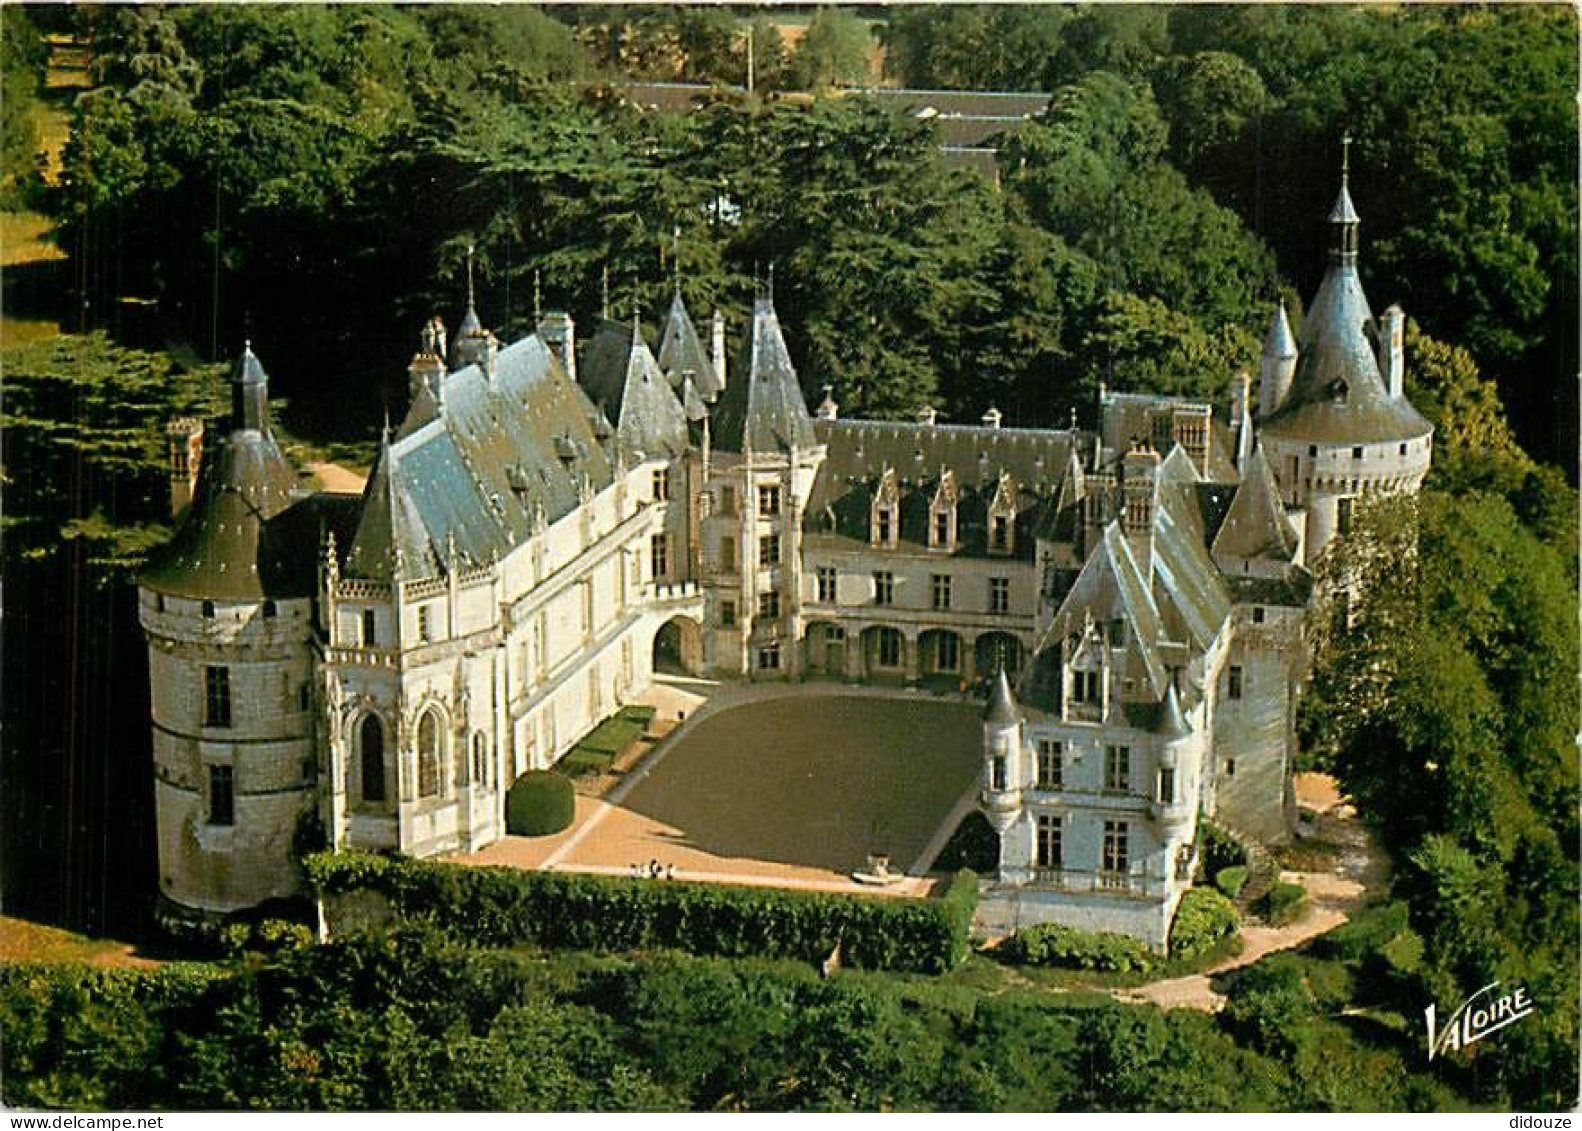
[
  {"x": 941, "y": 655},
  {"x": 993, "y": 650},
  {"x": 825, "y": 644},
  {"x": 883, "y": 653},
  {"x": 678, "y": 647}
]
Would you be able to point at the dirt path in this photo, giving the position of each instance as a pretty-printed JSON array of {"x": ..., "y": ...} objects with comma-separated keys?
[{"x": 1360, "y": 872}]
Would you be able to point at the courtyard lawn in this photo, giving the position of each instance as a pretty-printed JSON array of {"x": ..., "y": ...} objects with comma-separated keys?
[{"x": 797, "y": 788}]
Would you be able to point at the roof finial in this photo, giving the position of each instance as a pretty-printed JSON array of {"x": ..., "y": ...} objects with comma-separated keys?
[
  {"x": 770, "y": 291},
  {"x": 247, "y": 345},
  {"x": 675, "y": 254},
  {"x": 1345, "y": 157},
  {"x": 604, "y": 291},
  {"x": 538, "y": 297},
  {"x": 384, "y": 433},
  {"x": 469, "y": 276}
]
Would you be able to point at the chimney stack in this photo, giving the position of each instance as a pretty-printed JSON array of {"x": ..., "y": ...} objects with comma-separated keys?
[
  {"x": 1392, "y": 350},
  {"x": 992, "y": 418},
  {"x": 185, "y": 434}
]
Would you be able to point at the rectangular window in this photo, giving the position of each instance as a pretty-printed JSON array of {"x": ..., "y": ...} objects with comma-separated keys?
[
  {"x": 825, "y": 578},
  {"x": 889, "y": 648},
  {"x": 1230, "y": 767},
  {"x": 222, "y": 796},
  {"x": 1257, "y": 614},
  {"x": 769, "y": 658},
  {"x": 217, "y": 696},
  {"x": 728, "y": 554},
  {"x": 727, "y": 614},
  {"x": 1233, "y": 689},
  {"x": 1051, "y": 764},
  {"x": 948, "y": 652},
  {"x": 1085, "y": 687},
  {"x": 1356, "y": 453},
  {"x": 658, "y": 555},
  {"x": 997, "y": 772},
  {"x": 941, "y": 591},
  {"x": 882, "y": 527},
  {"x": 422, "y": 624},
  {"x": 1117, "y": 769},
  {"x": 1117, "y": 847},
  {"x": 1167, "y": 785},
  {"x": 999, "y": 594},
  {"x": 883, "y": 588},
  {"x": 999, "y": 533},
  {"x": 661, "y": 484},
  {"x": 370, "y": 636},
  {"x": 1050, "y": 850},
  {"x": 941, "y": 528},
  {"x": 768, "y": 502},
  {"x": 769, "y": 604},
  {"x": 1343, "y": 516},
  {"x": 727, "y": 500},
  {"x": 769, "y": 551}
]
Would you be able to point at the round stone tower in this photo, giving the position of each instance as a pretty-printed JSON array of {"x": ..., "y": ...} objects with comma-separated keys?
[
  {"x": 1339, "y": 426},
  {"x": 226, "y": 607}
]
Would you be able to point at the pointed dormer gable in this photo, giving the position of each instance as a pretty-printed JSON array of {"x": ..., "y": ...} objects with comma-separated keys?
[
  {"x": 942, "y": 512},
  {"x": 1255, "y": 526},
  {"x": 885, "y": 517},
  {"x": 391, "y": 542},
  {"x": 1002, "y": 516},
  {"x": 1110, "y": 587},
  {"x": 681, "y": 353},
  {"x": 653, "y": 423}
]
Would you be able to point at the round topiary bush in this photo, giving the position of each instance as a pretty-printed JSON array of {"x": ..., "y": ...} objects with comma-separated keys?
[{"x": 539, "y": 803}]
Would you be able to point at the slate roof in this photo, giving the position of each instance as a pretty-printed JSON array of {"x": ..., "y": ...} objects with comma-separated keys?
[
  {"x": 857, "y": 453},
  {"x": 602, "y": 367},
  {"x": 464, "y": 488},
  {"x": 1256, "y": 525},
  {"x": 1337, "y": 394},
  {"x": 766, "y": 413},
  {"x": 681, "y": 352},
  {"x": 234, "y": 544},
  {"x": 652, "y": 421},
  {"x": 1001, "y": 708}
]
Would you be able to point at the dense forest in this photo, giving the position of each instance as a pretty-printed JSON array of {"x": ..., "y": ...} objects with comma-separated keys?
[{"x": 311, "y": 177}]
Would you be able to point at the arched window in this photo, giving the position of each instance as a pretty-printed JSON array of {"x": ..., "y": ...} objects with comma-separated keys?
[
  {"x": 480, "y": 758},
  {"x": 429, "y": 758},
  {"x": 371, "y": 741}
]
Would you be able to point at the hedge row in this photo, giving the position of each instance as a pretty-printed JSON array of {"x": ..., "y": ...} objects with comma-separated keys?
[
  {"x": 1284, "y": 903},
  {"x": 1050, "y": 944},
  {"x": 506, "y": 906}
]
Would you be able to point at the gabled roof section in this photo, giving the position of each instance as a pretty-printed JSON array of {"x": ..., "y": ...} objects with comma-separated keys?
[
  {"x": 602, "y": 370},
  {"x": 1194, "y": 593},
  {"x": 1256, "y": 525},
  {"x": 652, "y": 421},
  {"x": 1110, "y": 581},
  {"x": 766, "y": 413},
  {"x": 681, "y": 352}
]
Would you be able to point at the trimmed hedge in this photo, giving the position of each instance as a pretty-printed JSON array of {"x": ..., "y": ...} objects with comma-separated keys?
[
  {"x": 599, "y": 747},
  {"x": 506, "y": 906},
  {"x": 1231, "y": 880},
  {"x": 539, "y": 803},
  {"x": 1203, "y": 919},
  {"x": 1283, "y": 904},
  {"x": 1050, "y": 944}
]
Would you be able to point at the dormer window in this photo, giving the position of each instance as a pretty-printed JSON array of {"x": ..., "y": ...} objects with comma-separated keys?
[
  {"x": 942, "y": 514},
  {"x": 885, "y": 523},
  {"x": 1002, "y": 517}
]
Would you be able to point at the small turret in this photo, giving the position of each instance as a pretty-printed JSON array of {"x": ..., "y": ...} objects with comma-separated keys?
[
  {"x": 1002, "y": 748},
  {"x": 559, "y": 334},
  {"x": 1241, "y": 416},
  {"x": 427, "y": 367},
  {"x": 250, "y": 394},
  {"x": 1278, "y": 364}
]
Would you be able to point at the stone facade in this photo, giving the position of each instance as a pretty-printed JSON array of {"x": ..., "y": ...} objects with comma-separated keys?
[{"x": 554, "y": 514}]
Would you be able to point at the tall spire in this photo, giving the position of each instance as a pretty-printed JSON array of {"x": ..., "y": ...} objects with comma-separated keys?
[{"x": 1343, "y": 218}]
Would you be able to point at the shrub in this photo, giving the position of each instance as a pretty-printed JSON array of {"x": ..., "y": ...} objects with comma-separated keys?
[
  {"x": 973, "y": 845},
  {"x": 539, "y": 803},
  {"x": 1283, "y": 904},
  {"x": 1218, "y": 849},
  {"x": 508, "y": 907},
  {"x": 1231, "y": 880},
  {"x": 1203, "y": 919},
  {"x": 1050, "y": 944}
]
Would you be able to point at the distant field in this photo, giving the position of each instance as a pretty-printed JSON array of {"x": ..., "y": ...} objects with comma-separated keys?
[{"x": 23, "y": 941}]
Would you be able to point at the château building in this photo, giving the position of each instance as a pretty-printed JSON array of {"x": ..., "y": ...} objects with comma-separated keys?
[{"x": 554, "y": 514}]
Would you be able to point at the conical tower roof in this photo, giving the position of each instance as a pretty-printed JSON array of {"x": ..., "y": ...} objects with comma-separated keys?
[
  {"x": 1256, "y": 525},
  {"x": 1001, "y": 709},
  {"x": 1279, "y": 341},
  {"x": 225, "y": 548},
  {"x": 681, "y": 352},
  {"x": 391, "y": 541},
  {"x": 1172, "y": 723},
  {"x": 766, "y": 413}
]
